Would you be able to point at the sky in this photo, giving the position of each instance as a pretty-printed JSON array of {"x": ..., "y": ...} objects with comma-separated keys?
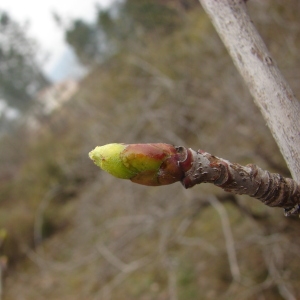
[{"x": 42, "y": 27}]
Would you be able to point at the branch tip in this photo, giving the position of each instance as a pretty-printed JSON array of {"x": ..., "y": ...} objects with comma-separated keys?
[{"x": 161, "y": 164}]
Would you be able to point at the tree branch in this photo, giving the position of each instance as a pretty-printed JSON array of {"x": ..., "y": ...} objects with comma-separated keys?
[
  {"x": 270, "y": 188},
  {"x": 161, "y": 164},
  {"x": 229, "y": 240},
  {"x": 269, "y": 89}
]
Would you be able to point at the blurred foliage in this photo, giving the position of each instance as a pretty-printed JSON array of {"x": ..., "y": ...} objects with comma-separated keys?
[
  {"x": 127, "y": 25},
  {"x": 83, "y": 39},
  {"x": 20, "y": 74},
  {"x": 77, "y": 233}
]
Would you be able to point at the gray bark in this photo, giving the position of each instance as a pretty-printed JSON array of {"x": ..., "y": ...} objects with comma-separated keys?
[
  {"x": 269, "y": 89},
  {"x": 270, "y": 188}
]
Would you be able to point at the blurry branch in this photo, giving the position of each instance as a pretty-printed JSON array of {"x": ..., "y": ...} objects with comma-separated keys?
[
  {"x": 167, "y": 261},
  {"x": 147, "y": 67},
  {"x": 126, "y": 270},
  {"x": 283, "y": 287},
  {"x": 39, "y": 219},
  {"x": 193, "y": 241},
  {"x": 257, "y": 289},
  {"x": 269, "y": 89},
  {"x": 112, "y": 259},
  {"x": 3, "y": 260},
  {"x": 231, "y": 252},
  {"x": 51, "y": 264},
  {"x": 117, "y": 263},
  {"x": 1, "y": 292},
  {"x": 172, "y": 280}
]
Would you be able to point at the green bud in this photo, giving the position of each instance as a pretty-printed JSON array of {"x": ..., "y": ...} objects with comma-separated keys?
[
  {"x": 108, "y": 159},
  {"x": 147, "y": 164}
]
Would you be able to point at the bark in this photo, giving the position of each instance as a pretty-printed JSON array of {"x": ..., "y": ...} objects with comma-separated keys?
[
  {"x": 272, "y": 189},
  {"x": 269, "y": 89}
]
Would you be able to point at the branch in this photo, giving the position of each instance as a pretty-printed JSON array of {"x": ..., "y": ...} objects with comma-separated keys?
[
  {"x": 229, "y": 240},
  {"x": 161, "y": 164},
  {"x": 269, "y": 89},
  {"x": 3, "y": 261}
]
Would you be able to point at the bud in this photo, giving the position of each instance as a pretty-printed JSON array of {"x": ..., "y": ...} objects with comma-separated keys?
[
  {"x": 108, "y": 159},
  {"x": 147, "y": 164}
]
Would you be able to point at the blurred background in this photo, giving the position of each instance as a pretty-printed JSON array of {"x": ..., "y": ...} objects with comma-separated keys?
[{"x": 135, "y": 71}]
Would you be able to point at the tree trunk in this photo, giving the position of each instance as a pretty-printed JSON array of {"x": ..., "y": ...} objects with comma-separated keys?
[{"x": 269, "y": 89}]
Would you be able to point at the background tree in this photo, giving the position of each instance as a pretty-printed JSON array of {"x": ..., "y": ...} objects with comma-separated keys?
[
  {"x": 20, "y": 74},
  {"x": 83, "y": 38},
  {"x": 125, "y": 27}
]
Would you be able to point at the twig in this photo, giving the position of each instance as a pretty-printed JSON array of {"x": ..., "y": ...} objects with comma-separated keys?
[
  {"x": 1, "y": 289},
  {"x": 158, "y": 164},
  {"x": 167, "y": 261},
  {"x": 276, "y": 277},
  {"x": 39, "y": 218},
  {"x": 126, "y": 269},
  {"x": 149, "y": 68},
  {"x": 3, "y": 266},
  {"x": 111, "y": 258},
  {"x": 3, "y": 261},
  {"x": 172, "y": 280},
  {"x": 193, "y": 241},
  {"x": 270, "y": 188},
  {"x": 231, "y": 253}
]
